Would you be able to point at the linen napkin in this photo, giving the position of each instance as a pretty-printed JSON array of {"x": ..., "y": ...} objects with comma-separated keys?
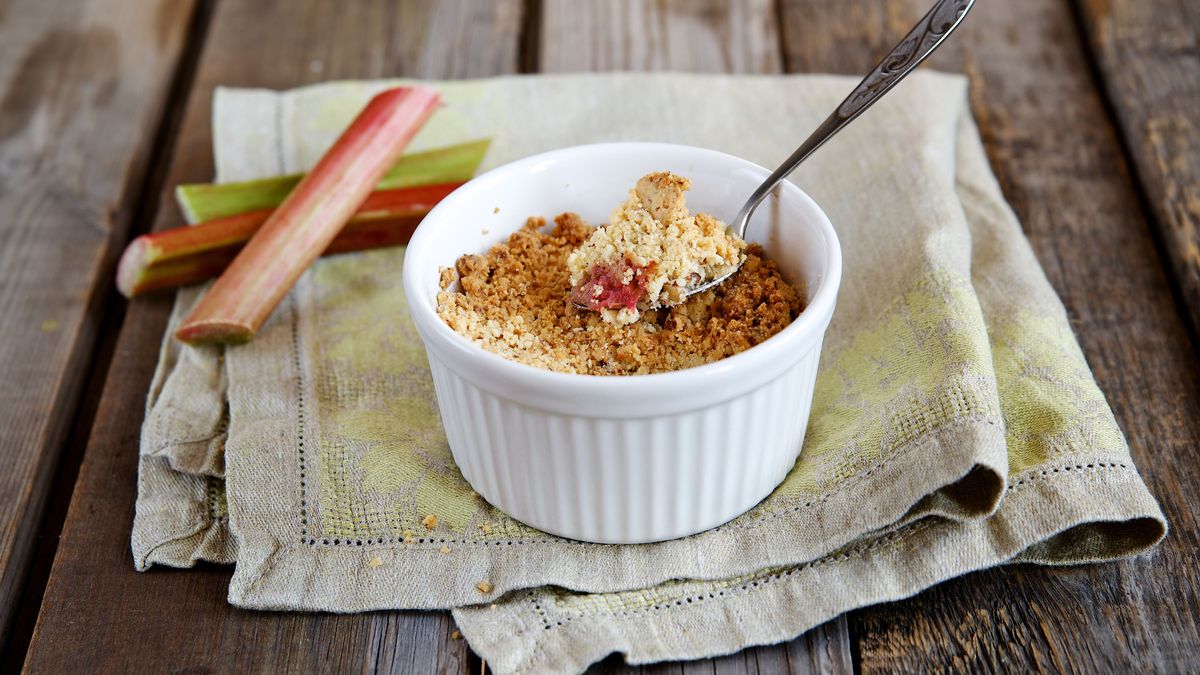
[{"x": 955, "y": 425}]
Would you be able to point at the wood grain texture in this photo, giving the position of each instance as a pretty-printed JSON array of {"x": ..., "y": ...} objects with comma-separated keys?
[
  {"x": 824, "y": 649},
  {"x": 734, "y": 36},
  {"x": 97, "y": 613},
  {"x": 717, "y": 36},
  {"x": 1060, "y": 164},
  {"x": 82, "y": 89},
  {"x": 1149, "y": 56}
]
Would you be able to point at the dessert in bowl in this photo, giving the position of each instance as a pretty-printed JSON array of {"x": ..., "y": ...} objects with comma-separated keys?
[
  {"x": 623, "y": 458},
  {"x": 616, "y": 299}
]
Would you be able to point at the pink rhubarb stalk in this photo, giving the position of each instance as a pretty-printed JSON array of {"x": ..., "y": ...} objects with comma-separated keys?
[
  {"x": 185, "y": 255},
  {"x": 304, "y": 225}
]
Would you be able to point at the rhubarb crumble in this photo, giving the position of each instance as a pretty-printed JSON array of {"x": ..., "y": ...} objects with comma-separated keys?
[
  {"x": 652, "y": 252},
  {"x": 515, "y": 301}
]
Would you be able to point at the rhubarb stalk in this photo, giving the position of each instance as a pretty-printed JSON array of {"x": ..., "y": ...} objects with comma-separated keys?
[
  {"x": 208, "y": 201},
  {"x": 309, "y": 218},
  {"x": 185, "y": 255}
]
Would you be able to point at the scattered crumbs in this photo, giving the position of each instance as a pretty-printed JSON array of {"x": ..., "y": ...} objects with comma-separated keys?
[
  {"x": 484, "y": 587},
  {"x": 375, "y": 562},
  {"x": 50, "y": 325},
  {"x": 486, "y": 528},
  {"x": 446, "y": 276},
  {"x": 484, "y": 231},
  {"x": 493, "y": 606},
  {"x": 430, "y": 522},
  {"x": 444, "y": 549},
  {"x": 456, "y": 635},
  {"x": 496, "y": 210},
  {"x": 408, "y": 536}
]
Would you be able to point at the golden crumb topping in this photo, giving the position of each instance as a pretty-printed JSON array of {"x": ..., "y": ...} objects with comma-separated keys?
[{"x": 515, "y": 301}]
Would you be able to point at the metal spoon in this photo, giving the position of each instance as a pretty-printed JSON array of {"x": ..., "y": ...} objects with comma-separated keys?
[{"x": 925, "y": 37}]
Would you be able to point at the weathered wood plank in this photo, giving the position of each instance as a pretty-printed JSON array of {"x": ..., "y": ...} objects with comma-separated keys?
[
  {"x": 734, "y": 36},
  {"x": 100, "y": 615},
  {"x": 824, "y": 649},
  {"x": 82, "y": 90},
  {"x": 1149, "y": 55},
  {"x": 718, "y": 36},
  {"x": 1060, "y": 165}
]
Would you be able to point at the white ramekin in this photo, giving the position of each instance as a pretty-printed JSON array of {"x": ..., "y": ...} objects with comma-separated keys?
[{"x": 624, "y": 459}]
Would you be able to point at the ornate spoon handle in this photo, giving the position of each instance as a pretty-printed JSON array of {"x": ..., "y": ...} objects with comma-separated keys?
[{"x": 935, "y": 27}]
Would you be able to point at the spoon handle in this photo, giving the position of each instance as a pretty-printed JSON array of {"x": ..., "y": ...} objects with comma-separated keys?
[{"x": 925, "y": 37}]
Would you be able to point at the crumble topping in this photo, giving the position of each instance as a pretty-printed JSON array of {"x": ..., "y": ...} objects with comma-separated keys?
[
  {"x": 515, "y": 301},
  {"x": 651, "y": 252}
]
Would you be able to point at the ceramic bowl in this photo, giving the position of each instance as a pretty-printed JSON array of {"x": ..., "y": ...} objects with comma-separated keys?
[{"x": 624, "y": 459}]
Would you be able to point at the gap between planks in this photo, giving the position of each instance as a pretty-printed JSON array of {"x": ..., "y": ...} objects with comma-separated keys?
[
  {"x": 86, "y": 87},
  {"x": 1161, "y": 175},
  {"x": 111, "y": 308}
]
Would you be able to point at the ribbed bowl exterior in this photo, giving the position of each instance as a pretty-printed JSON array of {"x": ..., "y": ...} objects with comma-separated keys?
[
  {"x": 624, "y": 459},
  {"x": 630, "y": 480}
]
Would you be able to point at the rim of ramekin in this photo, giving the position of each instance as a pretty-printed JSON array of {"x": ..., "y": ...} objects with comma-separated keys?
[{"x": 624, "y": 395}]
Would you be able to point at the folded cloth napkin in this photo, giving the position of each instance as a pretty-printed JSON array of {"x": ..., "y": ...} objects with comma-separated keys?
[{"x": 955, "y": 425}]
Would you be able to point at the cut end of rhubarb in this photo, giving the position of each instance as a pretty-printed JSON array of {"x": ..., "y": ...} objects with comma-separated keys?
[
  {"x": 186, "y": 204},
  {"x": 132, "y": 267},
  {"x": 214, "y": 332}
]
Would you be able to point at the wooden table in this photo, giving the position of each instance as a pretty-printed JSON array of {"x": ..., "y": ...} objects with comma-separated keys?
[{"x": 1090, "y": 110}]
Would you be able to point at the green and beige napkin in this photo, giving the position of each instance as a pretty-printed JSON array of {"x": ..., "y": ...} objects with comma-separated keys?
[{"x": 955, "y": 426}]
